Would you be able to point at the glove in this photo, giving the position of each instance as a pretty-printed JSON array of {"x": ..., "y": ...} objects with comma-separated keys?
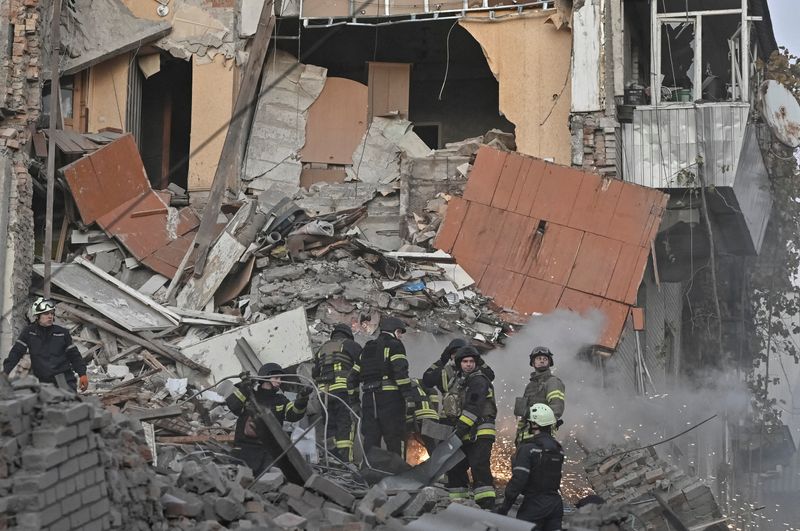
[
  {"x": 84, "y": 382},
  {"x": 462, "y": 430},
  {"x": 445, "y": 357},
  {"x": 305, "y": 392}
]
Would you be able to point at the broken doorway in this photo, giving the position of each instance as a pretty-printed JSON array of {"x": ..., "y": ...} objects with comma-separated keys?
[{"x": 165, "y": 123}]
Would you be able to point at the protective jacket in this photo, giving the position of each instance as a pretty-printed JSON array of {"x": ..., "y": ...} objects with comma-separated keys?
[
  {"x": 470, "y": 406},
  {"x": 52, "y": 352},
  {"x": 536, "y": 474},
  {"x": 543, "y": 388},
  {"x": 382, "y": 366},
  {"x": 272, "y": 399},
  {"x": 440, "y": 375},
  {"x": 424, "y": 407},
  {"x": 333, "y": 362}
]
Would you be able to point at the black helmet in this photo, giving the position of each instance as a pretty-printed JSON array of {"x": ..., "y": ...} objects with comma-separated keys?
[
  {"x": 390, "y": 324},
  {"x": 342, "y": 329},
  {"x": 268, "y": 369},
  {"x": 541, "y": 351},
  {"x": 466, "y": 352},
  {"x": 455, "y": 345}
]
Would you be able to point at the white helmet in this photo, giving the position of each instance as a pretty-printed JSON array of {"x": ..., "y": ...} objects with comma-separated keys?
[
  {"x": 42, "y": 305},
  {"x": 542, "y": 415}
]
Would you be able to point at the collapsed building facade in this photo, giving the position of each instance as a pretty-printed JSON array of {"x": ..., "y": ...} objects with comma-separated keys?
[{"x": 554, "y": 151}]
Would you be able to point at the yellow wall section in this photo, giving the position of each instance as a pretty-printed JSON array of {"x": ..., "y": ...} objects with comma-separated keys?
[
  {"x": 531, "y": 61},
  {"x": 212, "y": 105},
  {"x": 108, "y": 93}
]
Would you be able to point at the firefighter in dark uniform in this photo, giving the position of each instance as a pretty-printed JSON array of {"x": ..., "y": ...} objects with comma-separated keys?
[
  {"x": 382, "y": 372},
  {"x": 544, "y": 388},
  {"x": 332, "y": 365},
  {"x": 50, "y": 347},
  {"x": 247, "y": 438},
  {"x": 470, "y": 407},
  {"x": 442, "y": 372},
  {"x": 426, "y": 407},
  {"x": 536, "y": 473}
]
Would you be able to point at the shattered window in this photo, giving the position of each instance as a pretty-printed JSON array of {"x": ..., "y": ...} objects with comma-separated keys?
[{"x": 677, "y": 61}]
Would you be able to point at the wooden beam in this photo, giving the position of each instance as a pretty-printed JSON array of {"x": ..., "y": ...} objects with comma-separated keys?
[
  {"x": 160, "y": 348},
  {"x": 156, "y": 413},
  {"x": 55, "y": 92},
  {"x": 230, "y": 160}
]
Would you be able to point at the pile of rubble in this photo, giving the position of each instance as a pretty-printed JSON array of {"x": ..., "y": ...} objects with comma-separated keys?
[{"x": 659, "y": 495}]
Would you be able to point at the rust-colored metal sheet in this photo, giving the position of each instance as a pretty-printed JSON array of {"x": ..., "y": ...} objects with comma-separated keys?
[
  {"x": 487, "y": 169},
  {"x": 537, "y": 236},
  {"x": 594, "y": 265},
  {"x": 337, "y": 121},
  {"x": 456, "y": 212},
  {"x": 105, "y": 179},
  {"x": 110, "y": 187},
  {"x": 557, "y": 194},
  {"x": 310, "y": 176}
]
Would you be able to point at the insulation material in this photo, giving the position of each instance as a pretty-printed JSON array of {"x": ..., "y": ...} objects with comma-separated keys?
[
  {"x": 110, "y": 187},
  {"x": 278, "y": 132},
  {"x": 281, "y": 339},
  {"x": 538, "y": 236},
  {"x": 518, "y": 50},
  {"x": 337, "y": 121}
]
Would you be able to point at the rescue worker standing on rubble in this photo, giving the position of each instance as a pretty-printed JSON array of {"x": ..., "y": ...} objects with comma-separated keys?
[
  {"x": 442, "y": 371},
  {"x": 470, "y": 407},
  {"x": 544, "y": 388},
  {"x": 382, "y": 372},
  {"x": 248, "y": 437},
  {"x": 536, "y": 473},
  {"x": 50, "y": 347},
  {"x": 332, "y": 365}
]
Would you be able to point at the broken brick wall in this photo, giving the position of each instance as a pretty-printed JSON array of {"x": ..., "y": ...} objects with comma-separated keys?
[
  {"x": 595, "y": 143},
  {"x": 69, "y": 464},
  {"x": 21, "y": 105}
]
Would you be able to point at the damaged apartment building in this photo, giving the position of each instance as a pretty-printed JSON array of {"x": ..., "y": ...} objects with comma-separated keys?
[{"x": 522, "y": 156}]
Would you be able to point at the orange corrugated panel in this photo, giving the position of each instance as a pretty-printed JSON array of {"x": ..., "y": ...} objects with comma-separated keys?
[
  {"x": 522, "y": 203},
  {"x": 484, "y": 175},
  {"x": 624, "y": 270},
  {"x": 594, "y": 265},
  {"x": 479, "y": 232},
  {"x": 557, "y": 193},
  {"x": 523, "y": 247},
  {"x": 538, "y": 296},
  {"x": 522, "y": 179},
  {"x": 456, "y": 211},
  {"x": 632, "y": 218},
  {"x": 512, "y": 232},
  {"x": 615, "y": 313},
  {"x": 636, "y": 279},
  {"x": 502, "y": 285},
  {"x": 556, "y": 255},
  {"x": 595, "y": 205},
  {"x": 507, "y": 181},
  {"x": 474, "y": 269}
]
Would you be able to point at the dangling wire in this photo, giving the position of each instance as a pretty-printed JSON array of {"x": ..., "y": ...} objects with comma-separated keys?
[{"x": 447, "y": 63}]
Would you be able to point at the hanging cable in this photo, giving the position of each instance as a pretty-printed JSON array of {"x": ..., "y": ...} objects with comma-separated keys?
[{"x": 447, "y": 62}]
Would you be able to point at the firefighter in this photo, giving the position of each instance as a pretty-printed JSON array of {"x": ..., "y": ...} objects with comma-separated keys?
[
  {"x": 382, "y": 372},
  {"x": 442, "y": 372},
  {"x": 536, "y": 473},
  {"x": 247, "y": 439},
  {"x": 50, "y": 347},
  {"x": 426, "y": 407},
  {"x": 544, "y": 388},
  {"x": 332, "y": 365},
  {"x": 470, "y": 407}
]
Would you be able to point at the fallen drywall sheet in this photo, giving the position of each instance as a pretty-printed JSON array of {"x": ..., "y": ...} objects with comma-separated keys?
[
  {"x": 538, "y": 236},
  {"x": 377, "y": 159},
  {"x": 279, "y": 126},
  {"x": 106, "y": 298},
  {"x": 101, "y": 30},
  {"x": 200, "y": 33},
  {"x": 282, "y": 339},
  {"x": 225, "y": 252},
  {"x": 110, "y": 187},
  {"x": 519, "y": 49}
]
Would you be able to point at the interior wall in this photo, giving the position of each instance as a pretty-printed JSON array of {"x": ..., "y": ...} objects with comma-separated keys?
[
  {"x": 469, "y": 101},
  {"x": 531, "y": 61},
  {"x": 108, "y": 93},
  {"x": 213, "y": 97}
]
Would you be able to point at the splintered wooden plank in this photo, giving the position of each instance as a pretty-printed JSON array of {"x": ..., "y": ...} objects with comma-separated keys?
[{"x": 221, "y": 258}]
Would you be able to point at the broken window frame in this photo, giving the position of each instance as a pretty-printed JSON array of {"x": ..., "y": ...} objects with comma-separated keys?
[{"x": 742, "y": 84}]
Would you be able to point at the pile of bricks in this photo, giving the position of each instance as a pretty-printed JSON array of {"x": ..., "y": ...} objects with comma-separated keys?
[
  {"x": 638, "y": 478},
  {"x": 67, "y": 463}
]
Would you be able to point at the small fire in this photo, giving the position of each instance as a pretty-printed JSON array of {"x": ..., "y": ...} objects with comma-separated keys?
[{"x": 415, "y": 450}]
